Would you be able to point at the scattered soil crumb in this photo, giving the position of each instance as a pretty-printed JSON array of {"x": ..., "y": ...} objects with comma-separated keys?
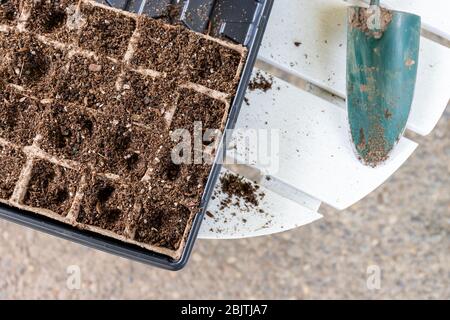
[
  {"x": 52, "y": 187},
  {"x": 260, "y": 82},
  {"x": 235, "y": 187}
]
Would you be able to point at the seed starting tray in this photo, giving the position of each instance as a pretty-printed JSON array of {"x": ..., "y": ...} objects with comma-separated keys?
[{"x": 85, "y": 149}]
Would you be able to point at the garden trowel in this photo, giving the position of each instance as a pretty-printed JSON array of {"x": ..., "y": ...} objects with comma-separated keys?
[{"x": 382, "y": 60}]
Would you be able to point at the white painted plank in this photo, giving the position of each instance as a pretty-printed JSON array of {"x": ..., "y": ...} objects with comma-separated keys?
[
  {"x": 316, "y": 154},
  {"x": 279, "y": 214},
  {"x": 432, "y": 89},
  {"x": 434, "y": 13},
  {"x": 320, "y": 27}
]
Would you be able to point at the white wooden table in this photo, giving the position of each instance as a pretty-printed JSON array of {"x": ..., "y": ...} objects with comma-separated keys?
[{"x": 317, "y": 163}]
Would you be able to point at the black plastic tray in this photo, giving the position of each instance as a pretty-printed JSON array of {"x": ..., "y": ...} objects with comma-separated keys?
[{"x": 242, "y": 21}]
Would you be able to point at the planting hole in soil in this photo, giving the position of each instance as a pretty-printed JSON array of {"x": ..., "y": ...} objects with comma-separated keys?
[
  {"x": 162, "y": 223},
  {"x": 19, "y": 117},
  {"x": 106, "y": 204},
  {"x": 9, "y": 11},
  {"x": 122, "y": 148},
  {"x": 29, "y": 63},
  {"x": 51, "y": 187},
  {"x": 173, "y": 171},
  {"x": 50, "y": 18},
  {"x": 66, "y": 131},
  {"x": 173, "y": 179},
  {"x": 47, "y": 16}
]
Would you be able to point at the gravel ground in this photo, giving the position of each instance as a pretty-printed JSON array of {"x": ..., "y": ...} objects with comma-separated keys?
[{"x": 402, "y": 230}]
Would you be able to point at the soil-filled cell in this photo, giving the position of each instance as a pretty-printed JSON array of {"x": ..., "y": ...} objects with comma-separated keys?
[
  {"x": 147, "y": 99},
  {"x": 19, "y": 117},
  {"x": 212, "y": 64},
  {"x": 12, "y": 162},
  {"x": 196, "y": 107},
  {"x": 56, "y": 19},
  {"x": 106, "y": 32},
  {"x": 67, "y": 132},
  {"x": 161, "y": 48},
  {"x": 162, "y": 222},
  {"x": 88, "y": 82},
  {"x": 178, "y": 173},
  {"x": 29, "y": 63},
  {"x": 52, "y": 187},
  {"x": 106, "y": 204},
  {"x": 122, "y": 148}
]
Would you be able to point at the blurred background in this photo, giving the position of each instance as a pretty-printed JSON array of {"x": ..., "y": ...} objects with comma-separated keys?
[{"x": 403, "y": 229}]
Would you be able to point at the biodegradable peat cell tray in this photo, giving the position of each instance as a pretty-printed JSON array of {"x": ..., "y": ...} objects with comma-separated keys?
[{"x": 89, "y": 96}]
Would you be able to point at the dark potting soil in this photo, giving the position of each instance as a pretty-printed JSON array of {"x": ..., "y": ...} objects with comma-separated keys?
[
  {"x": 51, "y": 187},
  {"x": 9, "y": 11},
  {"x": 160, "y": 47},
  {"x": 19, "y": 117},
  {"x": 88, "y": 82},
  {"x": 208, "y": 111},
  {"x": 260, "y": 82},
  {"x": 147, "y": 99},
  {"x": 12, "y": 162},
  {"x": 49, "y": 18},
  {"x": 162, "y": 222},
  {"x": 106, "y": 32},
  {"x": 209, "y": 64},
  {"x": 106, "y": 204},
  {"x": 186, "y": 55},
  {"x": 66, "y": 131},
  {"x": 29, "y": 63},
  {"x": 182, "y": 181},
  {"x": 122, "y": 148},
  {"x": 108, "y": 144}
]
